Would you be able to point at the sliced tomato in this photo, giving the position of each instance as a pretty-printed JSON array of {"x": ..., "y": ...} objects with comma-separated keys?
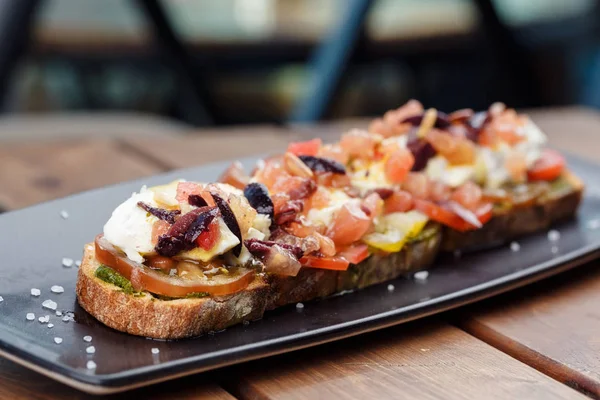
[
  {"x": 373, "y": 204},
  {"x": 145, "y": 278},
  {"x": 208, "y": 239},
  {"x": 334, "y": 263},
  {"x": 160, "y": 227},
  {"x": 358, "y": 143},
  {"x": 446, "y": 217},
  {"x": 185, "y": 189},
  {"x": 398, "y": 165},
  {"x": 235, "y": 176},
  {"x": 548, "y": 167},
  {"x": 468, "y": 195},
  {"x": 162, "y": 263},
  {"x": 399, "y": 201},
  {"x": 308, "y": 148},
  {"x": 355, "y": 253},
  {"x": 349, "y": 224}
]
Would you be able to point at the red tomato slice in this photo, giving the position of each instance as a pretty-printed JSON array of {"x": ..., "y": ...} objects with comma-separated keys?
[
  {"x": 399, "y": 201},
  {"x": 208, "y": 239},
  {"x": 185, "y": 189},
  {"x": 355, "y": 253},
  {"x": 334, "y": 263},
  {"x": 450, "y": 219},
  {"x": 349, "y": 224},
  {"x": 398, "y": 165},
  {"x": 549, "y": 166},
  {"x": 308, "y": 148}
]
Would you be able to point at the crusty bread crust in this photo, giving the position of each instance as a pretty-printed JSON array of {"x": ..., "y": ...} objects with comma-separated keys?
[
  {"x": 516, "y": 222},
  {"x": 145, "y": 315}
]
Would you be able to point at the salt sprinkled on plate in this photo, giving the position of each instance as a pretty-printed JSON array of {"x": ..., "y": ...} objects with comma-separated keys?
[
  {"x": 49, "y": 304},
  {"x": 78, "y": 263},
  {"x": 50, "y": 325},
  {"x": 421, "y": 275},
  {"x": 67, "y": 262},
  {"x": 299, "y": 306},
  {"x": 35, "y": 292},
  {"x": 87, "y": 338},
  {"x": 553, "y": 235},
  {"x": 30, "y": 316},
  {"x": 390, "y": 288},
  {"x": 64, "y": 214},
  {"x": 58, "y": 340},
  {"x": 1, "y": 299},
  {"x": 59, "y": 313},
  {"x": 155, "y": 350},
  {"x": 515, "y": 246},
  {"x": 66, "y": 318},
  {"x": 90, "y": 350},
  {"x": 91, "y": 365},
  {"x": 44, "y": 320},
  {"x": 57, "y": 289}
]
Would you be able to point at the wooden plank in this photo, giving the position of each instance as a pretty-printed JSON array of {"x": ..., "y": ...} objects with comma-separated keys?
[
  {"x": 425, "y": 361},
  {"x": 207, "y": 146},
  {"x": 19, "y": 383},
  {"x": 553, "y": 326},
  {"x": 32, "y": 173}
]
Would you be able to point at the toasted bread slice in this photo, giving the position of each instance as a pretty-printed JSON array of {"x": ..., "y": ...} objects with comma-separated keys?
[
  {"x": 559, "y": 204},
  {"x": 145, "y": 315}
]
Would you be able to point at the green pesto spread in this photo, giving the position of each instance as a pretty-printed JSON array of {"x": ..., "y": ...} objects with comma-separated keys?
[{"x": 111, "y": 276}]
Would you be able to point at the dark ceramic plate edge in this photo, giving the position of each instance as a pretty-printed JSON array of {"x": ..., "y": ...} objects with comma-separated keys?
[{"x": 143, "y": 376}]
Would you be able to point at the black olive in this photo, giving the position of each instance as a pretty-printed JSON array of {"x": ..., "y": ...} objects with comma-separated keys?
[
  {"x": 441, "y": 122},
  {"x": 258, "y": 197},
  {"x": 230, "y": 221},
  {"x": 319, "y": 164}
]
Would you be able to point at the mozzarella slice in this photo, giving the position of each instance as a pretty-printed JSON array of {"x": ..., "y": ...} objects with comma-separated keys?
[
  {"x": 226, "y": 242},
  {"x": 130, "y": 228}
]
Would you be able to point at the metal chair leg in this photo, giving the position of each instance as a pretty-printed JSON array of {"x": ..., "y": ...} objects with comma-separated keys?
[
  {"x": 329, "y": 63},
  {"x": 16, "y": 25},
  {"x": 202, "y": 110}
]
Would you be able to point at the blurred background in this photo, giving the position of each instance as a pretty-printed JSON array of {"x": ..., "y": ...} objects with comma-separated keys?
[{"x": 227, "y": 62}]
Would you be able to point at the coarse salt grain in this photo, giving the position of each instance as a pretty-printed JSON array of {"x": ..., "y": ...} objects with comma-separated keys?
[
  {"x": 44, "y": 320},
  {"x": 50, "y": 325},
  {"x": 91, "y": 365},
  {"x": 421, "y": 275},
  {"x": 57, "y": 289},
  {"x": 299, "y": 306},
  {"x": 30, "y": 316},
  {"x": 58, "y": 340},
  {"x": 59, "y": 313},
  {"x": 66, "y": 318},
  {"x": 155, "y": 350},
  {"x": 49, "y": 304},
  {"x": 514, "y": 247},
  {"x": 1, "y": 299},
  {"x": 390, "y": 288},
  {"x": 87, "y": 338},
  {"x": 90, "y": 350},
  {"x": 67, "y": 262},
  {"x": 35, "y": 292},
  {"x": 64, "y": 214},
  {"x": 553, "y": 235},
  {"x": 78, "y": 263}
]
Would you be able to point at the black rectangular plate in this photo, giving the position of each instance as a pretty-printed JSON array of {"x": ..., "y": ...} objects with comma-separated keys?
[{"x": 34, "y": 241}]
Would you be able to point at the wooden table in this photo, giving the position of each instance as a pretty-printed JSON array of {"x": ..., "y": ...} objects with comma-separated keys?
[{"x": 542, "y": 341}]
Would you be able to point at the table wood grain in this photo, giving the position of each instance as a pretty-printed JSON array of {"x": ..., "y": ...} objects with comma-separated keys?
[
  {"x": 525, "y": 345},
  {"x": 422, "y": 360}
]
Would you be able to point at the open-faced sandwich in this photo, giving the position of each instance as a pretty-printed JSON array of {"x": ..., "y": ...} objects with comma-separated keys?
[{"x": 187, "y": 258}]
